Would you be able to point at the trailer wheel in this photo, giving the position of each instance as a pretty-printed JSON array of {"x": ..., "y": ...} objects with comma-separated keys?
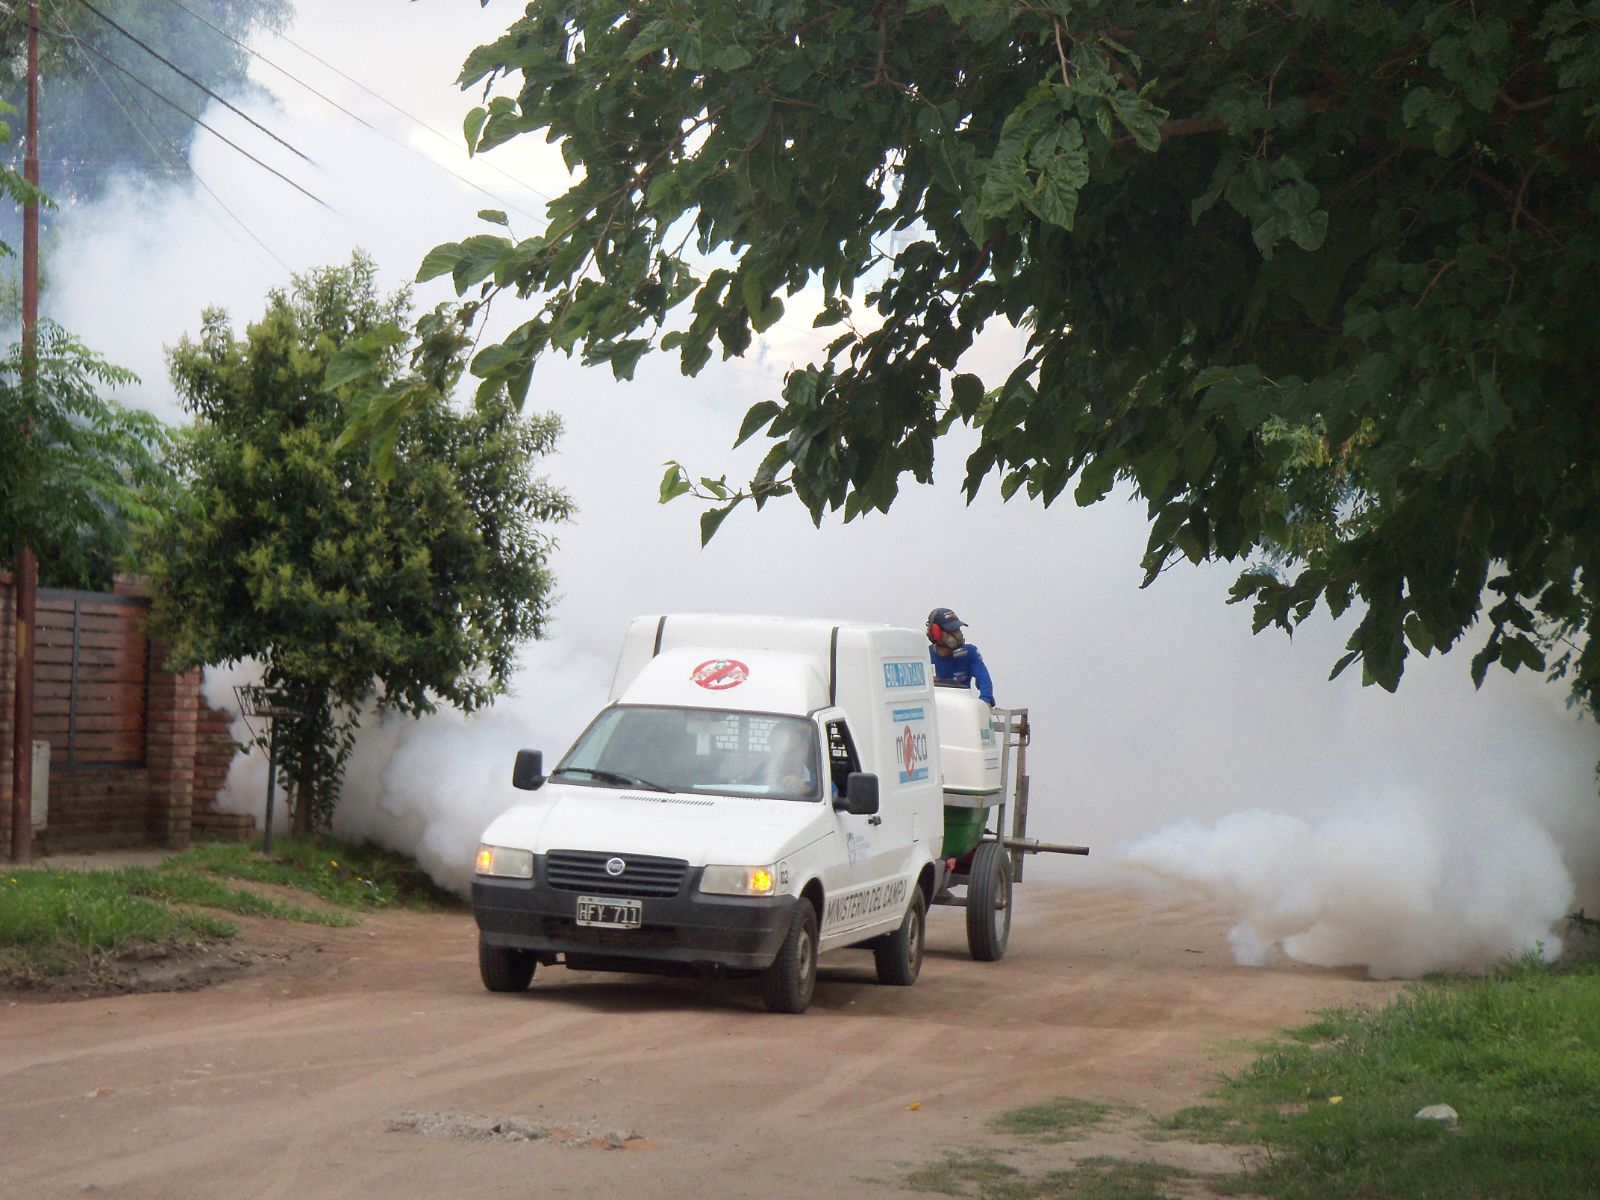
[
  {"x": 898, "y": 956},
  {"x": 505, "y": 968},
  {"x": 787, "y": 984},
  {"x": 989, "y": 903}
]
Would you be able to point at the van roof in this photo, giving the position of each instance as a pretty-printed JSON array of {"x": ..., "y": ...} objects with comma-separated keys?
[{"x": 736, "y": 640}]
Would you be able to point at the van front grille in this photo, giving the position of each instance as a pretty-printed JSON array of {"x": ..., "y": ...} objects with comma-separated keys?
[{"x": 641, "y": 874}]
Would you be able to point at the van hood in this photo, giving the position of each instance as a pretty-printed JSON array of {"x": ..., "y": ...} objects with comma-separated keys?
[{"x": 733, "y": 830}]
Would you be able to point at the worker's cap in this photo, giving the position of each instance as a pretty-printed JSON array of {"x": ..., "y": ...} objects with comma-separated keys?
[{"x": 944, "y": 618}]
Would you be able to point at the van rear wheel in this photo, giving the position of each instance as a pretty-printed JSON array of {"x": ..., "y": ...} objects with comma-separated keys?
[
  {"x": 505, "y": 968},
  {"x": 898, "y": 956},
  {"x": 787, "y": 984},
  {"x": 989, "y": 902}
]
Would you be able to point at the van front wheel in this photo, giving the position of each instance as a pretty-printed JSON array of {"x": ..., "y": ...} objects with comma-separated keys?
[
  {"x": 505, "y": 968},
  {"x": 898, "y": 956},
  {"x": 787, "y": 984}
]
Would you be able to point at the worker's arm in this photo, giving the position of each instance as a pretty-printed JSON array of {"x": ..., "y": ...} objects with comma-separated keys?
[{"x": 980, "y": 676}]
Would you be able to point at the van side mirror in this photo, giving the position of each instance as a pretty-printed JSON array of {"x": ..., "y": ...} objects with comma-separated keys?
[
  {"x": 528, "y": 774},
  {"x": 861, "y": 794}
]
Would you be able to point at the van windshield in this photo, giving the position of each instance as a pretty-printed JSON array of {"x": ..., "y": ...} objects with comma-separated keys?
[{"x": 697, "y": 750}]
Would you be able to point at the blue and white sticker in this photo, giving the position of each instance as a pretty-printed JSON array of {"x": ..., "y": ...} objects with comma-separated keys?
[
  {"x": 908, "y": 674},
  {"x": 909, "y": 727}
]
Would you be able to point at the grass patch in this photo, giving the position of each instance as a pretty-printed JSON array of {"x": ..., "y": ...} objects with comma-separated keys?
[
  {"x": 51, "y": 922},
  {"x": 959, "y": 1174},
  {"x": 1333, "y": 1104},
  {"x": 981, "y": 1176},
  {"x": 1062, "y": 1119},
  {"x": 178, "y": 886},
  {"x": 1105, "y": 1179},
  {"x": 1516, "y": 1054},
  {"x": 360, "y": 877},
  {"x": 60, "y": 925}
]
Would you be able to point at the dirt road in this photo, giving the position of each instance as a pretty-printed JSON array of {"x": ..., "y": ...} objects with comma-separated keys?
[{"x": 370, "y": 1062}]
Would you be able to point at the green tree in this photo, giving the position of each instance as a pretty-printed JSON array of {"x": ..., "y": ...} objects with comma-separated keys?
[
  {"x": 413, "y": 591},
  {"x": 75, "y": 468},
  {"x": 1315, "y": 278}
]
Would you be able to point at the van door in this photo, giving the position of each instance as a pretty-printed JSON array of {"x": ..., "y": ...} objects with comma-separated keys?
[{"x": 865, "y": 883}]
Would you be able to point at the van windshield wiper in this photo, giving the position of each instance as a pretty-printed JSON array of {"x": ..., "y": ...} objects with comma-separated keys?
[{"x": 613, "y": 777}]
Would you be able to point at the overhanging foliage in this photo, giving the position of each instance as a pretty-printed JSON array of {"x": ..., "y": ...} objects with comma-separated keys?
[{"x": 1316, "y": 278}]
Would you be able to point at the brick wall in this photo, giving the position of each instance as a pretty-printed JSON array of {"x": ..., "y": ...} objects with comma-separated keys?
[
  {"x": 214, "y": 753},
  {"x": 167, "y": 801}
]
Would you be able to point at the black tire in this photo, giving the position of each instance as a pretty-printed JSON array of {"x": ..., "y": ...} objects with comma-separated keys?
[
  {"x": 898, "y": 956},
  {"x": 505, "y": 968},
  {"x": 989, "y": 902},
  {"x": 787, "y": 984}
]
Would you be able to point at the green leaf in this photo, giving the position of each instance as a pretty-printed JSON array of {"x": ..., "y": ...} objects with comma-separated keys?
[
  {"x": 674, "y": 483},
  {"x": 1338, "y": 667},
  {"x": 657, "y": 35},
  {"x": 755, "y": 418},
  {"x": 966, "y": 394},
  {"x": 493, "y": 215},
  {"x": 729, "y": 58},
  {"x": 767, "y": 316},
  {"x": 479, "y": 256},
  {"x": 361, "y": 355},
  {"x": 472, "y": 127},
  {"x": 711, "y": 520},
  {"x": 1095, "y": 482},
  {"x": 441, "y": 260}
]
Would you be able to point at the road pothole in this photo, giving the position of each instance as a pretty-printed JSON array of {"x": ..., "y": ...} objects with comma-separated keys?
[{"x": 474, "y": 1127}]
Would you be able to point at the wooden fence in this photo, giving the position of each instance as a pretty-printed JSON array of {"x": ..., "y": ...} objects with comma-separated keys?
[{"x": 92, "y": 678}]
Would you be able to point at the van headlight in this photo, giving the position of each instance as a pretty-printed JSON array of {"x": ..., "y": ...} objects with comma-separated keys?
[
  {"x": 504, "y": 861},
  {"x": 740, "y": 881}
]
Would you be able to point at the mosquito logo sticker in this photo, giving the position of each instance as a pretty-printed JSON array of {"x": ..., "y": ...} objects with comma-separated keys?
[{"x": 720, "y": 674}]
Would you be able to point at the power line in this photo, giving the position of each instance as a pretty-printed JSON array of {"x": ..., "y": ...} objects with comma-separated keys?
[
  {"x": 356, "y": 116},
  {"x": 98, "y": 53},
  {"x": 177, "y": 163},
  {"x": 156, "y": 54},
  {"x": 417, "y": 121}
]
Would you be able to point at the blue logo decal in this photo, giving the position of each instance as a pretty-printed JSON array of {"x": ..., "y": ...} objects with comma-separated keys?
[{"x": 905, "y": 674}]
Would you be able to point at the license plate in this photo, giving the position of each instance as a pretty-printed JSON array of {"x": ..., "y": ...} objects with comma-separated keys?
[{"x": 603, "y": 912}]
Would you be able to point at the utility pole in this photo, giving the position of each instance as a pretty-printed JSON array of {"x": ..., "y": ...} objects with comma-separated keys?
[{"x": 27, "y": 565}]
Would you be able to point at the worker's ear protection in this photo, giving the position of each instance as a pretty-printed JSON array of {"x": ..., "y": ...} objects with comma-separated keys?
[{"x": 935, "y": 633}]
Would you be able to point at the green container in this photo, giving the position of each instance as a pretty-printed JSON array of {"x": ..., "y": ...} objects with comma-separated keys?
[{"x": 963, "y": 829}]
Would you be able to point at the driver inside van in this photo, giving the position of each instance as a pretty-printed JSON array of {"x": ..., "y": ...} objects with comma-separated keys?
[{"x": 791, "y": 760}]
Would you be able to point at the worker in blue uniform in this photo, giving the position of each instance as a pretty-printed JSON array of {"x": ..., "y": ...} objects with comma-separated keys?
[{"x": 956, "y": 661}]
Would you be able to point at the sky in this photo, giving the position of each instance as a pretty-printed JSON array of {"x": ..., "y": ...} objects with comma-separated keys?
[{"x": 1438, "y": 827}]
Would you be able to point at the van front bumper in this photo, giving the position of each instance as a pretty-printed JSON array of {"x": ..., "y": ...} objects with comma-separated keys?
[{"x": 688, "y": 930}]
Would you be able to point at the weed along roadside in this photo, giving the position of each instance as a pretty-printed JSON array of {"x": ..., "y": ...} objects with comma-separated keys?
[
  {"x": 1460, "y": 1089},
  {"x": 155, "y": 921}
]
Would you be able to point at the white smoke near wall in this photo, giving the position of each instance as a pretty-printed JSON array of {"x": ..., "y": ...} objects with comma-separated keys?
[
  {"x": 428, "y": 786},
  {"x": 1440, "y": 827}
]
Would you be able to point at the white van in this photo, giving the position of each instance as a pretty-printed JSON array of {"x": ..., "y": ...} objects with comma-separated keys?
[{"x": 757, "y": 791}]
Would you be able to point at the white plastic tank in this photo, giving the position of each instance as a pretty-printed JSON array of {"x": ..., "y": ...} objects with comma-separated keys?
[{"x": 969, "y": 748}]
